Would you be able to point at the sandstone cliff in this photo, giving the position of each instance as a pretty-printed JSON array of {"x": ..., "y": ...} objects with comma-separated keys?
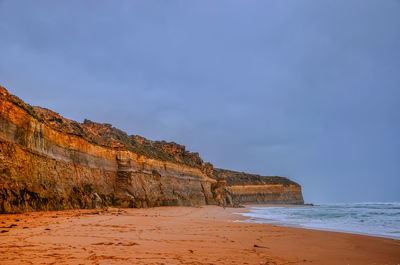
[
  {"x": 48, "y": 162},
  {"x": 252, "y": 188}
]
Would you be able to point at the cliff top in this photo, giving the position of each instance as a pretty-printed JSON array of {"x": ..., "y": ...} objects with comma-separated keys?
[
  {"x": 109, "y": 136},
  {"x": 241, "y": 178},
  {"x": 106, "y": 135}
]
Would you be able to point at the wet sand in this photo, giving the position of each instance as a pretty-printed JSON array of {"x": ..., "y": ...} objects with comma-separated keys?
[{"x": 177, "y": 235}]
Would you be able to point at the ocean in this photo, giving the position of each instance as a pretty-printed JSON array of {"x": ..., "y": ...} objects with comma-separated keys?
[{"x": 371, "y": 218}]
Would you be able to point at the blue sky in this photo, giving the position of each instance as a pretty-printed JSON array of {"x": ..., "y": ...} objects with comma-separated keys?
[{"x": 304, "y": 89}]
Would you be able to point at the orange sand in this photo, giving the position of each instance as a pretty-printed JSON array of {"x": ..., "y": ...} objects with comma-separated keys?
[{"x": 177, "y": 235}]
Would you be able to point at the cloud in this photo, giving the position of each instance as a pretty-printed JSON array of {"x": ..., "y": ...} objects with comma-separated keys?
[{"x": 304, "y": 89}]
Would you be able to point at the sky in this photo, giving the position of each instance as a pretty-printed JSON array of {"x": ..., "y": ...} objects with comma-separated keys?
[{"x": 305, "y": 89}]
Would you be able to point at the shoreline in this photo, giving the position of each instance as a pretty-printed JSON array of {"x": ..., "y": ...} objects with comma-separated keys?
[
  {"x": 178, "y": 235},
  {"x": 280, "y": 223}
]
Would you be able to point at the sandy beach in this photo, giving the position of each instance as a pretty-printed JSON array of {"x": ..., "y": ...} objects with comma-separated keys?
[{"x": 177, "y": 235}]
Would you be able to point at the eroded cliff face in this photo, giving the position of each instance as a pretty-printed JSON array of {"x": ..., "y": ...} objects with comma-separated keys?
[
  {"x": 252, "y": 188},
  {"x": 48, "y": 162}
]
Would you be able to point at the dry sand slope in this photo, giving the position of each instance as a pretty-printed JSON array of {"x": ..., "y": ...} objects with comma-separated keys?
[{"x": 177, "y": 235}]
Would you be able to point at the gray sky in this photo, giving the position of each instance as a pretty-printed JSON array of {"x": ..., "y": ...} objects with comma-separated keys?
[{"x": 304, "y": 89}]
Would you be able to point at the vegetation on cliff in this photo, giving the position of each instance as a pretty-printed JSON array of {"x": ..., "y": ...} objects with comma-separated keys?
[
  {"x": 242, "y": 178},
  {"x": 5, "y": 95},
  {"x": 109, "y": 136},
  {"x": 48, "y": 162},
  {"x": 106, "y": 135}
]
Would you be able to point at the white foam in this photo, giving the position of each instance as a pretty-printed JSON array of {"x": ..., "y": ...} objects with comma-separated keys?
[{"x": 371, "y": 218}]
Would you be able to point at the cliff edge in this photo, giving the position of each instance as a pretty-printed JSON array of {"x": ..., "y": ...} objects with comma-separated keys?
[
  {"x": 48, "y": 162},
  {"x": 253, "y": 188}
]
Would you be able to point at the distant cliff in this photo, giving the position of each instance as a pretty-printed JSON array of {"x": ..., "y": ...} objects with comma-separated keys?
[
  {"x": 252, "y": 188},
  {"x": 48, "y": 162}
]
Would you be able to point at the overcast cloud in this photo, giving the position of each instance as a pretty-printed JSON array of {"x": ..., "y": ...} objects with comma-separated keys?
[{"x": 304, "y": 89}]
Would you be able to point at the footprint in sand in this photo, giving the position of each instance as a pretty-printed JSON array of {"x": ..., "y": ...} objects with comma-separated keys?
[
  {"x": 103, "y": 243},
  {"x": 124, "y": 244}
]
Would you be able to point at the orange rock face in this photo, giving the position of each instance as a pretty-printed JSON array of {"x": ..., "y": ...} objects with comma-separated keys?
[
  {"x": 252, "y": 188},
  {"x": 48, "y": 162}
]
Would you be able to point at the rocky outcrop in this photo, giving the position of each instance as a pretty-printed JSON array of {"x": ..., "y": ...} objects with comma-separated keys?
[
  {"x": 252, "y": 188},
  {"x": 48, "y": 162}
]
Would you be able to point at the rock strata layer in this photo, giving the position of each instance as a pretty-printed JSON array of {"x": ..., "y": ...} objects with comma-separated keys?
[
  {"x": 252, "y": 188},
  {"x": 48, "y": 162}
]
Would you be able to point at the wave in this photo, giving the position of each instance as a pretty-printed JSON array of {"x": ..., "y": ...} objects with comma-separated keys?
[{"x": 370, "y": 218}]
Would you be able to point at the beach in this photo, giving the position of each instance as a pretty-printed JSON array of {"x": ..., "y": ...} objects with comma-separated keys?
[{"x": 177, "y": 235}]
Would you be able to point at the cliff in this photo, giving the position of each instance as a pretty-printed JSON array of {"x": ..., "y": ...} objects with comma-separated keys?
[
  {"x": 48, "y": 162},
  {"x": 253, "y": 188}
]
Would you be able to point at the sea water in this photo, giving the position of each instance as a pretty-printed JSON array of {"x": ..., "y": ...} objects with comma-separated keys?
[{"x": 377, "y": 219}]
